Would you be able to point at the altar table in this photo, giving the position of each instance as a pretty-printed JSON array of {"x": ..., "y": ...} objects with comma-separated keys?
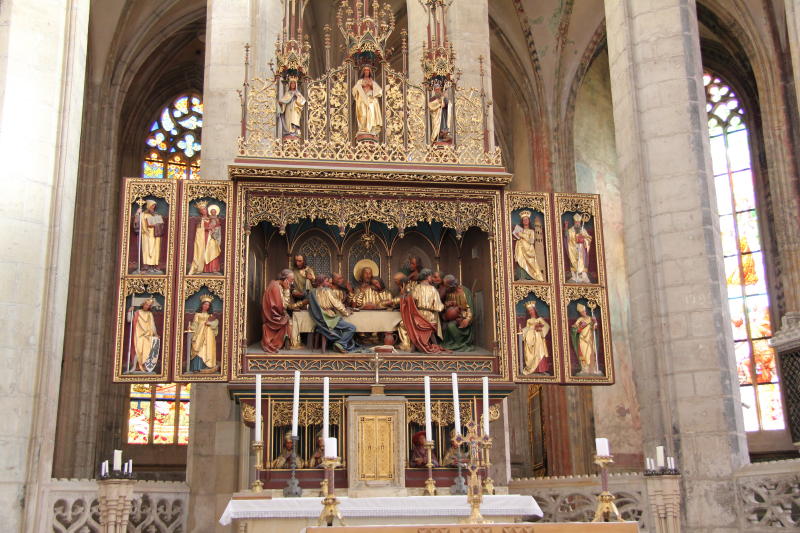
[
  {"x": 610, "y": 527},
  {"x": 367, "y": 321},
  {"x": 286, "y": 515}
]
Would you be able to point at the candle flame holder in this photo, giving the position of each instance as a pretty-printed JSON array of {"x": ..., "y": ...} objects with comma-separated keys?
[
  {"x": 330, "y": 504},
  {"x": 430, "y": 483},
  {"x": 477, "y": 444},
  {"x": 292, "y": 488},
  {"x": 606, "y": 510},
  {"x": 258, "y": 448}
]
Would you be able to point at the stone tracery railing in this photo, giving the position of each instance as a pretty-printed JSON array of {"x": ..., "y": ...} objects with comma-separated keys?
[
  {"x": 157, "y": 507},
  {"x": 769, "y": 496}
]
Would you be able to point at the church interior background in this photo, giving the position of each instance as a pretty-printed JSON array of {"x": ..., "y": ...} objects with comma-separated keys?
[{"x": 625, "y": 164}]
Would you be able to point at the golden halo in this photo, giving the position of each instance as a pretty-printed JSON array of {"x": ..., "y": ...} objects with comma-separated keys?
[
  {"x": 361, "y": 265},
  {"x": 213, "y": 209}
]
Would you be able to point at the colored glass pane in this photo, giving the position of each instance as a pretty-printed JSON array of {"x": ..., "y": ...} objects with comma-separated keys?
[
  {"x": 738, "y": 150},
  {"x": 769, "y": 399},
  {"x": 139, "y": 422},
  {"x": 140, "y": 391},
  {"x": 753, "y": 268},
  {"x": 749, "y": 239},
  {"x": 758, "y": 314},
  {"x": 744, "y": 362},
  {"x": 738, "y": 321},
  {"x": 186, "y": 391},
  {"x": 732, "y": 276},
  {"x": 764, "y": 356},
  {"x": 195, "y": 172},
  {"x": 723, "y": 188},
  {"x": 183, "y": 423},
  {"x": 743, "y": 193},
  {"x": 728, "y": 234},
  {"x": 749, "y": 410},
  {"x": 718, "y": 159},
  {"x": 166, "y": 391},
  {"x": 176, "y": 131},
  {"x": 164, "y": 423}
]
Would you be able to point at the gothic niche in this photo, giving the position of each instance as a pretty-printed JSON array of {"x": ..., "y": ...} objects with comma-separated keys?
[{"x": 354, "y": 290}]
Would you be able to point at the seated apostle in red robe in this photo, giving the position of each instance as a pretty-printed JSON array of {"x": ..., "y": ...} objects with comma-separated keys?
[{"x": 274, "y": 305}]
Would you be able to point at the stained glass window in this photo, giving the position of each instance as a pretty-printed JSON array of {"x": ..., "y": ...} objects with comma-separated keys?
[
  {"x": 159, "y": 414},
  {"x": 745, "y": 275},
  {"x": 173, "y": 143}
]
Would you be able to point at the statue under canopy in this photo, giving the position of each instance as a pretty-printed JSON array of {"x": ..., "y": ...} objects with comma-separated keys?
[{"x": 367, "y": 94}]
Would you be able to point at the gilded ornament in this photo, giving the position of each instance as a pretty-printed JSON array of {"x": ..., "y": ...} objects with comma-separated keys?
[
  {"x": 144, "y": 285},
  {"x": 520, "y": 292},
  {"x": 216, "y": 286}
]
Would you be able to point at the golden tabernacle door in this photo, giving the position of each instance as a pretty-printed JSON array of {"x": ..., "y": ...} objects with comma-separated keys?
[{"x": 375, "y": 447}]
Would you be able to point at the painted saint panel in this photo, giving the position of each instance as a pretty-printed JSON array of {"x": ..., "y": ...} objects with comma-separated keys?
[
  {"x": 529, "y": 229},
  {"x": 143, "y": 333},
  {"x": 536, "y": 337},
  {"x": 586, "y": 337},
  {"x": 149, "y": 228},
  {"x": 202, "y": 344},
  {"x": 580, "y": 236}
]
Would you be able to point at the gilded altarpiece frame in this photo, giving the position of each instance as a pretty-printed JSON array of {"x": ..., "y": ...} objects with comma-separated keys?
[{"x": 345, "y": 206}]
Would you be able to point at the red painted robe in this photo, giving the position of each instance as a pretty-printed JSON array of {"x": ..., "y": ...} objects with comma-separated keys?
[
  {"x": 420, "y": 330},
  {"x": 276, "y": 325}
]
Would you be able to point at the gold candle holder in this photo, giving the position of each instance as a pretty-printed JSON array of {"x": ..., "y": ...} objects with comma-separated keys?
[
  {"x": 606, "y": 508},
  {"x": 430, "y": 483},
  {"x": 488, "y": 482},
  {"x": 330, "y": 504},
  {"x": 258, "y": 448},
  {"x": 477, "y": 444}
]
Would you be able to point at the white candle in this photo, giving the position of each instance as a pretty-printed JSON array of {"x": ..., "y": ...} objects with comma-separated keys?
[
  {"x": 130, "y": 466},
  {"x": 671, "y": 463},
  {"x": 428, "y": 429},
  {"x": 326, "y": 384},
  {"x": 296, "y": 403},
  {"x": 650, "y": 464},
  {"x": 331, "y": 449},
  {"x": 117, "y": 460},
  {"x": 660, "y": 456},
  {"x": 486, "y": 406},
  {"x": 602, "y": 447},
  {"x": 259, "y": 430},
  {"x": 104, "y": 468},
  {"x": 456, "y": 406}
]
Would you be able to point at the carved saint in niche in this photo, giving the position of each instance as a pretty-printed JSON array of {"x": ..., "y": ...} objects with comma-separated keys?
[
  {"x": 579, "y": 245},
  {"x": 534, "y": 343},
  {"x": 207, "y": 250},
  {"x": 284, "y": 460},
  {"x": 525, "y": 249},
  {"x": 441, "y": 116},
  {"x": 291, "y": 104},
  {"x": 149, "y": 224},
  {"x": 204, "y": 330},
  {"x": 144, "y": 342},
  {"x": 367, "y": 94},
  {"x": 583, "y": 334}
]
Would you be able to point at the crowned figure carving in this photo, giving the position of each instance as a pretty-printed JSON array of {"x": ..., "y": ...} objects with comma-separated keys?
[
  {"x": 292, "y": 53},
  {"x": 438, "y": 66}
]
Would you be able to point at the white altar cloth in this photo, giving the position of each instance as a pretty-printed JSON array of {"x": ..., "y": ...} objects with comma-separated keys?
[
  {"x": 367, "y": 321},
  {"x": 497, "y": 505}
]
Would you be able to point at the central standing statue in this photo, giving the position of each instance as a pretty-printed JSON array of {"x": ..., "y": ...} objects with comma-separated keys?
[{"x": 366, "y": 94}]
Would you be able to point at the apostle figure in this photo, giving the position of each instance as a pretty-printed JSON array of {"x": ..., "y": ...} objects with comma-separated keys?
[
  {"x": 401, "y": 282},
  {"x": 207, "y": 240},
  {"x": 371, "y": 292},
  {"x": 150, "y": 227},
  {"x": 303, "y": 277},
  {"x": 439, "y": 107},
  {"x": 291, "y": 104},
  {"x": 204, "y": 329},
  {"x": 343, "y": 289},
  {"x": 420, "y": 313},
  {"x": 534, "y": 345},
  {"x": 525, "y": 250},
  {"x": 315, "y": 461},
  {"x": 327, "y": 311},
  {"x": 584, "y": 340},
  {"x": 419, "y": 455},
  {"x": 284, "y": 460},
  {"x": 274, "y": 312},
  {"x": 457, "y": 316},
  {"x": 579, "y": 242},
  {"x": 453, "y": 456},
  {"x": 144, "y": 336},
  {"x": 366, "y": 94}
]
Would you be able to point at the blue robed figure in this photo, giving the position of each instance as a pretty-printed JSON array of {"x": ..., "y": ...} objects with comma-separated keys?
[{"x": 327, "y": 311}]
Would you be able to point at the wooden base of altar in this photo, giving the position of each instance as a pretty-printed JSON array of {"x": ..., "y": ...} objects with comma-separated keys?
[{"x": 618, "y": 527}]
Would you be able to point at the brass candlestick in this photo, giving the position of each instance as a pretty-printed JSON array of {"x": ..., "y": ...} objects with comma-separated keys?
[
  {"x": 330, "y": 505},
  {"x": 488, "y": 483},
  {"x": 477, "y": 444},
  {"x": 258, "y": 448},
  {"x": 605, "y": 500},
  {"x": 430, "y": 483}
]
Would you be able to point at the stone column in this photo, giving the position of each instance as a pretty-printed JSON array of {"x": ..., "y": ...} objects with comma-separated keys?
[
  {"x": 417, "y": 36},
  {"x": 682, "y": 358},
  {"x": 793, "y": 30},
  {"x": 42, "y": 70}
]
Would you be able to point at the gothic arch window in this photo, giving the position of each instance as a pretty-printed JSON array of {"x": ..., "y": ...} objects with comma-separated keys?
[
  {"x": 742, "y": 248},
  {"x": 172, "y": 146}
]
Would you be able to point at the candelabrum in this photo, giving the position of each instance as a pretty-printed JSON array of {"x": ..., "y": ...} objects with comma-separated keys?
[
  {"x": 330, "y": 504},
  {"x": 430, "y": 483},
  {"x": 488, "y": 482},
  {"x": 477, "y": 444},
  {"x": 292, "y": 488},
  {"x": 258, "y": 449},
  {"x": 606, "y": 508}
]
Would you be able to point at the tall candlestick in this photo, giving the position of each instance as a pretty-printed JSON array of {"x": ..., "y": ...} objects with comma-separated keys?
[
  {"x": 258, "y": 409},
  {"x": 486, "y": 406},
  {"x": 296, "y": 403},
  {"x": 428, "y": 430},
  {"x": 660, "y": 456},
  {"x": 456, "y": 405},
  {"x": 602, "y": 447},
  {"x": 117, "y": 460},
  {"x": 326, "y": 385}
]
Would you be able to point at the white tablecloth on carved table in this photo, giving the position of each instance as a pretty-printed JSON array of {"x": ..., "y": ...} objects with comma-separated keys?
[
  {"x": 365, "y": 321},
  {"x": 498, "y": 505}
]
